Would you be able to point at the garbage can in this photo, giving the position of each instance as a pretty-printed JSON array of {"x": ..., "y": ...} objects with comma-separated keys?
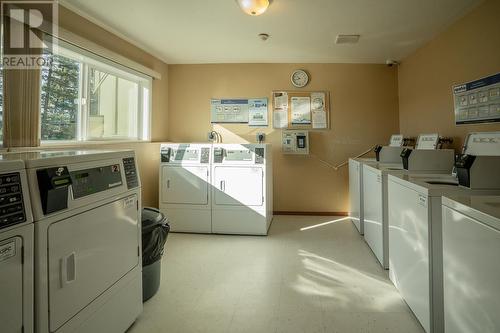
[{"x": 155, "y": 230}]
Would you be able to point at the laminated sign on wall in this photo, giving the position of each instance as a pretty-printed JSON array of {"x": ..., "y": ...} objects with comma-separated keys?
[
  {"x": 243, "y": 111},
  {"x": 478, "y": 101}
]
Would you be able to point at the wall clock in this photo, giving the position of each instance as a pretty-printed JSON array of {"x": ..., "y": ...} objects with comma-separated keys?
[{"x": 300, "y": 78}]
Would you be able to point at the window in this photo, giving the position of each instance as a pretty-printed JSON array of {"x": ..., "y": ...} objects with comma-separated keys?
[{"x": 85, "y": 97}]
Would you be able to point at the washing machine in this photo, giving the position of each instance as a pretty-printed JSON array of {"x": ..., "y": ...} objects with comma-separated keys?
[
  {"x": 471, "y": 269},
  {"x": 185, "y": 190},
  {"x": 415, "y": 225},
  {"x": 384, "y": 154},
  {"x": 242, "y": 189},
  {"x": 16, "y": 248},
  {"x": 86, "y": 208},
  {"x": 425, "y": 159}
]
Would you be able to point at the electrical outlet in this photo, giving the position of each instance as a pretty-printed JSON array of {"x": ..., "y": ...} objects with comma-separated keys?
[
  {"x": 260, "y": 137},
  {"x": 211, "y": 136}
]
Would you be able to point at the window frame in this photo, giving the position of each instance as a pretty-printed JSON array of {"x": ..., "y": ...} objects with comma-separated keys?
[{"x": 88, "y": 60}]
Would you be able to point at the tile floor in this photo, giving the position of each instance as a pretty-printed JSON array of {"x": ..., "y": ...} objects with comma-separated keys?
[{"x": 308, "y": 275}]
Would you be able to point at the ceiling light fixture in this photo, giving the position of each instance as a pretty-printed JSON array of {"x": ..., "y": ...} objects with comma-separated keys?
[{"x": 253, "y": 7}]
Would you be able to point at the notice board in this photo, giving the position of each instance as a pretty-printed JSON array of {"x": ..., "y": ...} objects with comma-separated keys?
[{"x": 301, "y": 109}]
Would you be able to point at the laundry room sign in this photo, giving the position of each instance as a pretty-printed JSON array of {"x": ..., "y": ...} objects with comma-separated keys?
[{"x": 251, "y": 111}]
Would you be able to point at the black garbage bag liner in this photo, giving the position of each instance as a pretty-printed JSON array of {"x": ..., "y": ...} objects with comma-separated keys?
[{"x": 155, "y": 230}]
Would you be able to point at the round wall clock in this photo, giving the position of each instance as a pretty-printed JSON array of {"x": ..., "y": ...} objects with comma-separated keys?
[{"x": 300, "y": 78}]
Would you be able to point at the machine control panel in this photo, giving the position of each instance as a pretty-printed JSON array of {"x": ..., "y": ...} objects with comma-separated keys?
[
  {"x": 130, "y": 172},
  {"x": 218, "y": 155},
  {"x": 95, "y": 180},
  {"x": 169, "y": 154},
  {"x": 205, "y": 155},
  {"x": 259, "y": 155},
  {"x": 165, "y": 154},
  {"x": 11, "y": 200},
  {"x": 53, "y": 184}
]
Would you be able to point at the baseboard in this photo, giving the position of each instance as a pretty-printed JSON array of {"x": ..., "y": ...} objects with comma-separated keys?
[{"x": 284, "y": 212}]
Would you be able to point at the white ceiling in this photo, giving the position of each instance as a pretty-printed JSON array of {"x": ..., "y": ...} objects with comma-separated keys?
[{"x": 302, "y": 31}]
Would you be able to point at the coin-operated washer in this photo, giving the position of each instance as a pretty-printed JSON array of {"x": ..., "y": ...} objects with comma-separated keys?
[
  {"x": 86, "y": 208},
  {"x": 185, "y": 194},
  {"x": 242, "y": 189},
  {"x": 426, "y": 158},
  {"x": 416, "y": 229},
  {"x": 384, "y": 154},
  {"x": 16, "y": 248}
]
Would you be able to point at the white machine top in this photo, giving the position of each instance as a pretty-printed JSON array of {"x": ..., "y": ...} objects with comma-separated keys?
[
  {"x": 428, "y": 184},
  {"x": 8, "y": 164},
  {"x": 482, "y": 144},
  {"x": 483, "y": 208},
  {"x": 46, "y": 158},
  {"x": 385, "y": 167},
  {"x": 427, "y": 141}
]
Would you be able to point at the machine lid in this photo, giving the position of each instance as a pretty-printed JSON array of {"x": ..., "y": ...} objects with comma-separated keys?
[
  {"x": 429, "y": 184},
  {"x": 484, "y": 208},
  {"x": 482, "y": 144}
]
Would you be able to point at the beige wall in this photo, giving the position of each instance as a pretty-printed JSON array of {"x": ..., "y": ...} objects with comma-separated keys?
[
  {"x": 468, "y": 50},
  {"x": 364, "y": 112},
  {"x": 147, "y": 153}
]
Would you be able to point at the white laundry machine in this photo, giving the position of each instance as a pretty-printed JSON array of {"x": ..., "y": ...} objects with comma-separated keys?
[
  {"x": 86, "y": 208},
  {"x": 242, "y": 189},
  {"x": 384, "y": 154},
  {"x": 471, "y": 269},
  {"x": 425, "y": 159},
  {"x": 16, "y": 248},
  {"x": 185, "y": 194},
  {"x": 415, "y": 226}
]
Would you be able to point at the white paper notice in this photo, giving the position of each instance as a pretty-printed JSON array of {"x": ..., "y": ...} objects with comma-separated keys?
[
  {"x": 257, "y": 112},
  {"x": 301, "y": 110},
  {"x": 280, "y": 101},
  {"x": 280, "y": 119},
  {"x": 319, "y": 119}
]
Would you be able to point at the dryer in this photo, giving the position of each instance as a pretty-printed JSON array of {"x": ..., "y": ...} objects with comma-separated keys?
[
  {"x": 16, "y": 248},
  {"x": 185, "y": 192},
  {"x": 86, "y": 208},
  {"x": 242, "y": 189}
]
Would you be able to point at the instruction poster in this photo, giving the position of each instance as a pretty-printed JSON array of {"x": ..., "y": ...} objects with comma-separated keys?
[
  {"x": 257, "y": 112},
  {"x": 478, "y": 101},
  {"x": 229, "y": 110},
  {"x": 301, "y": 110}
]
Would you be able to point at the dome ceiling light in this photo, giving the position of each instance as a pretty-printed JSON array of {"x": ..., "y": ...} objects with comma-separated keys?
[{"x": 253, "y": 7}]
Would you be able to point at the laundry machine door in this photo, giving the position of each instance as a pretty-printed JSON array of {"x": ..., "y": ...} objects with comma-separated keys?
[
  {"x": 239, "y": 186},
  {"x": 88, "y": 253},
  {"x": 185, "y": 185},
  {"x": 11, "y": 285}
]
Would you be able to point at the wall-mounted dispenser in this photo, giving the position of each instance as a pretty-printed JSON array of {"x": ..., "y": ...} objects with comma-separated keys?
[{"x": 295, "y": 142}]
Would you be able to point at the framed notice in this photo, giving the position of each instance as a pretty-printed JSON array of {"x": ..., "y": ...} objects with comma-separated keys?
[{"x": 253, "y": 111}]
